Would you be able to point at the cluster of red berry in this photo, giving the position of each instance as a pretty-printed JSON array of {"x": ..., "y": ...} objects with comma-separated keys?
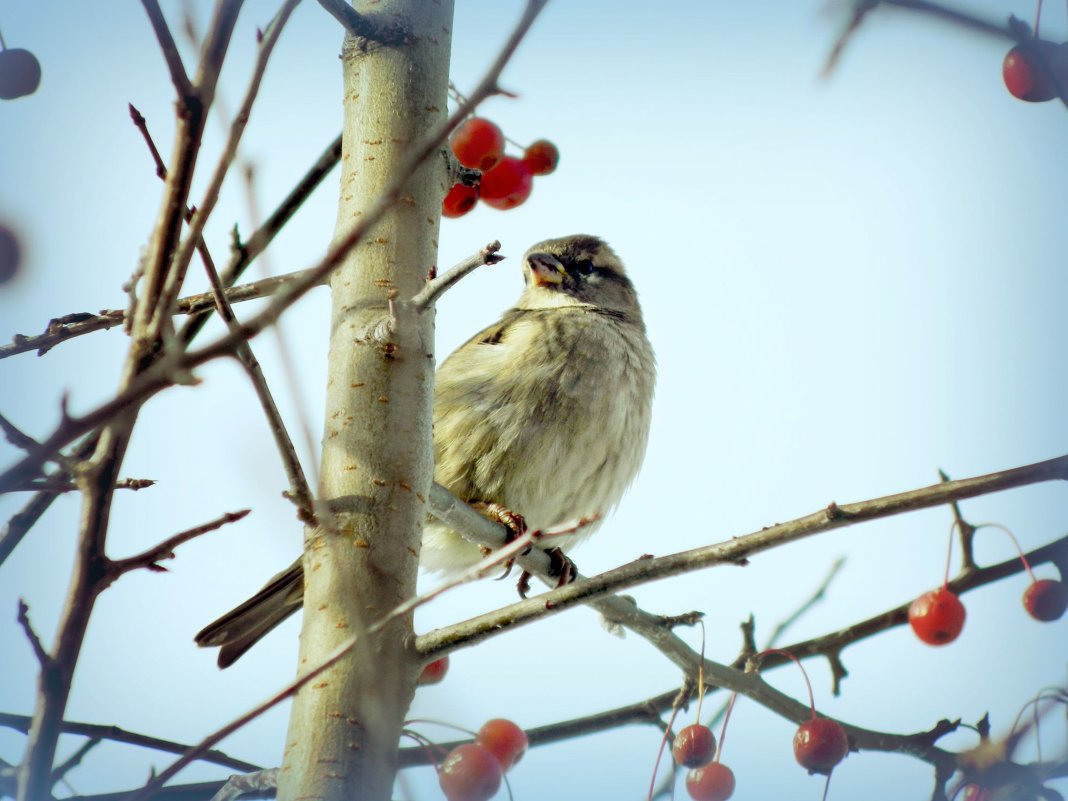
[
  {"x": 507, "y": 181},
  {"x": 473, "y": 771},
  {"x": 819, "y": 745},
  {"x": 937, "y": 617}
]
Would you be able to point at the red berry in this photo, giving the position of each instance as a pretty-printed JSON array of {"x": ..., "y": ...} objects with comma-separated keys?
[
  {"x": 1046, "y": 600},
  {"x": 713, "y": 782},
  {"x": 502, "y": 738},
  {"x": 694, "y": 746},
  {"x": 937, "y": 617},
  {"x": 1024, "y": 78},
  {"x": 434, "y": 672},
  {"x": 478, "y": 144},
  {"x": 20, "y": 73},
  {"x": 820, "y": 744},
  {"x": 459, "y": 200},
  {"x": 541, "y": 157},
  {"x": 506, "y": 185},
  {"x": 469, "y": 773}
]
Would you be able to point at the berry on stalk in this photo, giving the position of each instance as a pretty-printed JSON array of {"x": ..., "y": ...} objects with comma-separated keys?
[
  {"x": 1024, "y": 78},
  {"x": 505, "y": 740},
  {"x": 507, "y": 185},
  {"x": 459, "y": 200},
  {"x": 470, "y": 773},
  {"x": 694, "y": 746},
  {"x": 541, "y": 157},
  {"x": 1046, "y": 600},
  {"x": 820, "y": 744},
  {"x": 937, "y": 617},
  {"x": 477, "y": 144},
  {"x": 712, "y": 782}
]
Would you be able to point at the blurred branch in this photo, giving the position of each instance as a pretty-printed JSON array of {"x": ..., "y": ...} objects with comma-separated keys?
[
  {"x": 1014, "y": 30},
  {"x": 167, "y": 46},
  {"x": 21, "y": 723}
]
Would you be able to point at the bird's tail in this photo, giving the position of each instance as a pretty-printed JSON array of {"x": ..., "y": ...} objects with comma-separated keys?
[{"x": 242, "y": 627}]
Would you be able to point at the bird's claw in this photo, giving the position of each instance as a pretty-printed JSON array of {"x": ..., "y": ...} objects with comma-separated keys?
[
  {"x": 515, "y": 524},
  {"x": 560, "y": 567}
]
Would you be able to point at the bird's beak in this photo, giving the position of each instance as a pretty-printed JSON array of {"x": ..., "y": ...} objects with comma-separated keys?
[{"x": 545, "y": 269}]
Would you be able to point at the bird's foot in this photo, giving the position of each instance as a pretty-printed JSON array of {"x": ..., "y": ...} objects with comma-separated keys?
[
  {"x": 560, "y": 567},
  {"x": 514, "y": 522}
]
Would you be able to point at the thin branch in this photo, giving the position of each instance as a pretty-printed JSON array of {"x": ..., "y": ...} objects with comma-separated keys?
[
  {"x": 734, "y": 551},
  {"x": 196, "y": 752},
  {"x": 74, "y": 760},
  {"x": 440, "y": 284},
  {"x": 35, "y": 642},
  {"x": 179, "y": 77},
  {"x": 59, "y": 484},
  {"x": 24, "y": 441},
  {"x": 817, "y": 596},
  {"x": 61, "y": 329},
  {"x": 204, "y": 209},
  {"x": 165, "y": 550},
  {"x": 363, "y": 26},
  {"x": 21, "y": 723},
  {"x": 22, "y": 521}
]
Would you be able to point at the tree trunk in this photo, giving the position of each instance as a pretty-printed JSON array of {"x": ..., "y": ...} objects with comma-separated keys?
[{"x": 377, "y": 461}]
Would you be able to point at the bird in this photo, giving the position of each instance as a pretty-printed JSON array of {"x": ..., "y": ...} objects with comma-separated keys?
[{"x": 543, "y": 416}]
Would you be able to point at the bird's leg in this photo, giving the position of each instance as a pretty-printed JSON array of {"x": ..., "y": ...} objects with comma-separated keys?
[{"x": 514, "y": 522}]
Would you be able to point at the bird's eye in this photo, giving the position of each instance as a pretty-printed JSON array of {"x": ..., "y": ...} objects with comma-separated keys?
[{"x": 584, "y": 267}]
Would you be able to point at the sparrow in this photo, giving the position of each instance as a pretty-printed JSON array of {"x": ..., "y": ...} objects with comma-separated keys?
[{"x": 545, "y": 415}]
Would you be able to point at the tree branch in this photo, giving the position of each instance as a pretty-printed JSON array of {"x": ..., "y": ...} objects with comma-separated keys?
[
  {"x": 734, "y": 551},
  {"x": 365, "y": 27},
  {"x": 169, "y": 49},
  {"x": 21, "y": 723},
  {"x": 440, "y": 284},
  {"x": 39, "y": 651},
  {"x": 165, "y": 550}
]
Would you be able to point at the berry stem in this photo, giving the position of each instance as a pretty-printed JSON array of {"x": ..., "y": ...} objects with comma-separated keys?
[
  {"x": 660, "y": 751},
  {"x": 3, "y": 44},
  {"x": 796, "y": 661},
  {"x": 1038, "y": 17},
  {"x": 949, "y": 554},
  {"x": 1016, "y": 542},
  {"x": 723, "y": 730},
  {"x": 701, "y": 673}
]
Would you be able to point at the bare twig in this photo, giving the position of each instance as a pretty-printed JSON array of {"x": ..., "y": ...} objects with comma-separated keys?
[
  {"x": 165, "y": 550},
  {"x": 816, "y": 596},
  {"x": 204, "y": 209},
  {"x": 74, "y": 760},
  {"x": 61, "y": 329},
  {"x": 58, "y": 484},
  {"x": 202, "y": 747},
  {"x": 169, "y": 49},
  {"x": 22, "y": 521},
  {"x": 115, "y": 734},
  {"x": 35, "y": 642},
  {"x": 438, "y": 285}
]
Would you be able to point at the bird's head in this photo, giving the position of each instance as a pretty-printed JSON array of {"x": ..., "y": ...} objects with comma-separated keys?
[{"x": 577, "y": 270}]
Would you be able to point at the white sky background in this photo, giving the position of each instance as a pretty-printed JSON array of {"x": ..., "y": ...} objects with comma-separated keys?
[{"x": 849, "y": 284}]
